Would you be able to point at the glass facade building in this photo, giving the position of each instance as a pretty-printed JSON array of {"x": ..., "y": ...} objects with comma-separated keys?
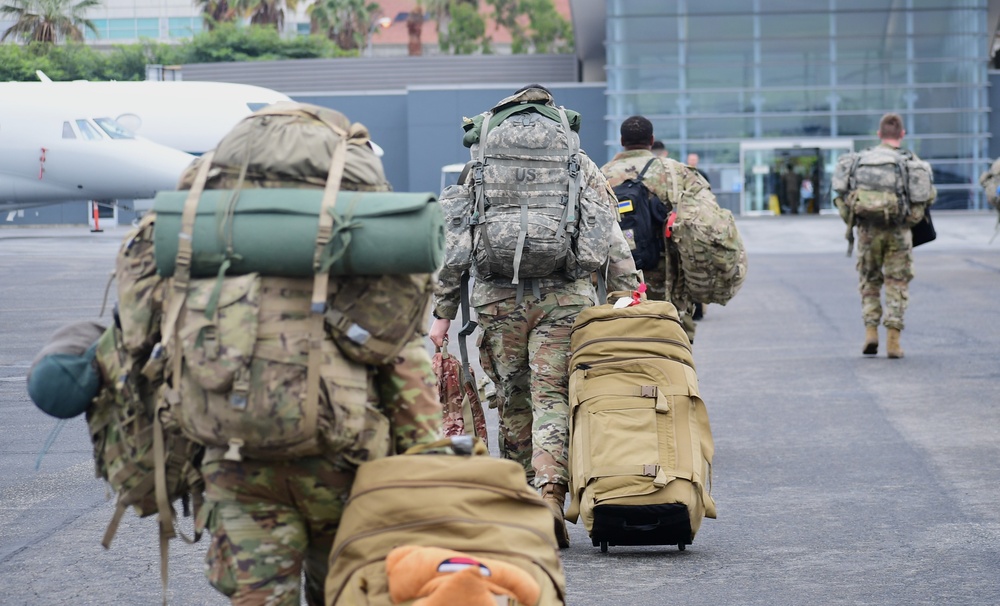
[{"x": 758, "y": 88}]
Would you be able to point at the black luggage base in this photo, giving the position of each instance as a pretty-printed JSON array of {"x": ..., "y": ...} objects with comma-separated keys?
[{"x": 665, "y": 524}]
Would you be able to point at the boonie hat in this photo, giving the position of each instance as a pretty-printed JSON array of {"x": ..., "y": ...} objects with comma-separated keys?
[{"x": 63, "y": 379}]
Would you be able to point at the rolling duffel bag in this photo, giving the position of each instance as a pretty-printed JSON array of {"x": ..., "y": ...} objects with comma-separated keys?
[
  {"x": 470, "y": 503},
  {"x": 640, "y": 442}
]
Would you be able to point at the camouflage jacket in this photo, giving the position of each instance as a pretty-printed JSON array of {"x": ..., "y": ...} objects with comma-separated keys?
[
  {"x": 622, "y": 274},
  {"x": 628, "y": 164}
]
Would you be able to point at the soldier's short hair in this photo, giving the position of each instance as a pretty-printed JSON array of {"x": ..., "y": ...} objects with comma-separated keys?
[
  {"x": 890, "y": 127},
  {"x": 636, "y": 130}
]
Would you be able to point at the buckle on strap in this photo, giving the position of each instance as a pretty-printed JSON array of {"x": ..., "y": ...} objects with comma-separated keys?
[
  {"x": 574, "y": 166},
  {"x": 650, "y": 470},
  {"x": 648, "y": 391}
]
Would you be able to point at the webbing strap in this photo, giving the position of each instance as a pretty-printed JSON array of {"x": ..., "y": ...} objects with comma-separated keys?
[
  {"x": 468, "y": 326},
  {"x": 575, "y": 174},
  {"x": 675, "y": 194},
  {"x": 112, "y": 528},
  {"x": 557, "y": 153},
  {"x": 642, "y": 172},
  {"x": 321, "y": 281},
  {"x": 650, "y": 471},
  {"x": 521, "y": 235},
  {"x": 477, "y": 170},
  {"x": 165, "y": 514},
  {"x": 634, "y": 391},
  {"x": 185, "y": 252}
]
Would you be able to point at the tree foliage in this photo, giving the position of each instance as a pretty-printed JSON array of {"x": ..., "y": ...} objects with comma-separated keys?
[
  {"x": 346, "y": 22},
  {"x": 466, "y": 31},
  {"x": 228, "y": 42},
  {"x": 535, "y": 26},
  {"x": 48, "y": 21}
]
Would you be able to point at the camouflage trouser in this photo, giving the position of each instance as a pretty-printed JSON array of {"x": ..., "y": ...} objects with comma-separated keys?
[
  {"x": 885, "y": 255},
  {"x": 525, "y": 349},
  {"x": 270, "y": 522},
  {"x": 657, "y": 289}
]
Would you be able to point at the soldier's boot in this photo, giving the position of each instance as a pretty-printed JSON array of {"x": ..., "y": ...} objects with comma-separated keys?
[
  {"x": 554, "y": 496},
  {"x": 893, "y": 350},
  {"x": 871, "y": 341}
]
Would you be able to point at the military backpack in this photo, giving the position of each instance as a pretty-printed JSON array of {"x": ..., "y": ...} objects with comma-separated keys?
[
  {"x": 643, "y": 216},
  {"x": 879, "y": 184},
  {"x": 531, "y": 215},
  {"x": 704, "y": 238}
]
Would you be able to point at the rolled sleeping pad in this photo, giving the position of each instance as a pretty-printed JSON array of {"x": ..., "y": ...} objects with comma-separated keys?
[{"x": 273, "y": 232}]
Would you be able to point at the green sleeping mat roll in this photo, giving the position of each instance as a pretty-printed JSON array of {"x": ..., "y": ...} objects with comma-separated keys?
[{"x": 273, "y": 232}]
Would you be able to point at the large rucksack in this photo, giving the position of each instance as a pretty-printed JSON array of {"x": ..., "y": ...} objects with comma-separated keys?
[
  {"x": 641, "y": 445},
  {"x": 704, "y": 238},
  {"x": 478, "y": 505},
  {"x": 642, "y": 219},
  {"x": 879, "y": 184},
  {"x": 275, "y": 367},
  {"x": 532, "y": 215}
]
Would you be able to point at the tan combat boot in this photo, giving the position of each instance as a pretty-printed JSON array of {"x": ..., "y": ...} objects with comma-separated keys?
[
  {"x": 892, "y": 347},
  {"x": 871, "y": 341},
  {"x": 554, "y": 496}
]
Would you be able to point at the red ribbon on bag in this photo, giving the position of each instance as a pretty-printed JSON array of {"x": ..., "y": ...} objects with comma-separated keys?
[
  {"x": 670, "y": 223},
  {"x": 637, "y": 294}
]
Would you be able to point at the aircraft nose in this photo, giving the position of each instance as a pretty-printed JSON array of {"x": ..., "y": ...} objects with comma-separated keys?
[{"x": 169, "y": 163}]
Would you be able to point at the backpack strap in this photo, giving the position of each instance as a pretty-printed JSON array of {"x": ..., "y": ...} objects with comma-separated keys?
[
  {"x": 642, "y": 172},
  {"x": 321, "y": 281}
]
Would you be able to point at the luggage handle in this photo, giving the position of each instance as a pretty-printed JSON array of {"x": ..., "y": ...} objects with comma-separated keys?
[{"x": 461, "y": 445}]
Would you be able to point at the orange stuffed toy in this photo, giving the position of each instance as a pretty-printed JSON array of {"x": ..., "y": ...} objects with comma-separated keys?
[{"x": 442, "y": 577}]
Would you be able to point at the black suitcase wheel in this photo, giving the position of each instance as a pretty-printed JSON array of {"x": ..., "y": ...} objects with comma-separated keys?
[
  {"x": 681, "y": 546},
  {"x": 604, "y": 546}
]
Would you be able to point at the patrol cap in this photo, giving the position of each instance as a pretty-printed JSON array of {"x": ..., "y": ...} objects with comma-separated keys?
[{"x": 64, "y": 379}]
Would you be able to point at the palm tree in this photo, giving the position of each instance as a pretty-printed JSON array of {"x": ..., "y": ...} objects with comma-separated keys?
[
  {"x": 346, "y": 22},
  {"x": 215, "y": 12},
  {"x": 48, "y": 21},
  {"x": 265, "y": 12}
]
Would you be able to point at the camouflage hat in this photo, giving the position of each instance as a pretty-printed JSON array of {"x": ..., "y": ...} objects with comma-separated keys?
[{"x": 63, "y": 378}]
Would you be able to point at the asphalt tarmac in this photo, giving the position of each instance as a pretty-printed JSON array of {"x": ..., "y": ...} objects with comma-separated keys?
[{"x": 839, "y": 478}]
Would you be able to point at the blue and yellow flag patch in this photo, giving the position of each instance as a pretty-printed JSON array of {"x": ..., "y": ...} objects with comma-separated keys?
[{"x": 625, "y": 206}]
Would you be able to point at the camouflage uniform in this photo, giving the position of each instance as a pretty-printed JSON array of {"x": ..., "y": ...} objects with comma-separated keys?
[
  {"x": 665, "y": 282},
  {"x": 885, "y": 256},
  {"x": 524, "y": 348},
  {"x": 273, "y": 520}
]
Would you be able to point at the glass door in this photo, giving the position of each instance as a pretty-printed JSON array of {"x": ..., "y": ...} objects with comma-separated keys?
[{"x": 789, "y": 176}]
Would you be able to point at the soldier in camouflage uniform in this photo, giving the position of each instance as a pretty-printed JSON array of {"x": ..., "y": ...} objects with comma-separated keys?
[
  {"x": 525, "y": 348},
  {"x": 885, "y": 256},
  {"x": 665, "y": 283},
  {"x": 272, "y": 521}
]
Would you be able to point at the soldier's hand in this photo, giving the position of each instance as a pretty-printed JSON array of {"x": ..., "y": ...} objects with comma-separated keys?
[{"x": 439, "y": 329}]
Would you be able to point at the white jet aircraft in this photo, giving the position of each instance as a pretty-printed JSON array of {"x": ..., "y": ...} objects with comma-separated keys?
[
  {"x": 50, "y": 155},
  {"x": 67, "y": 141}
]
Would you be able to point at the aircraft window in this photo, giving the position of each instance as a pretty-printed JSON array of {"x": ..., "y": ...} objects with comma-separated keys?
[
  {"x": 68, "y": 131},
  {"x": 114, "y": 130},
  {"x": 255, "y": 106},
  {"x": 89, "y": 132}
]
